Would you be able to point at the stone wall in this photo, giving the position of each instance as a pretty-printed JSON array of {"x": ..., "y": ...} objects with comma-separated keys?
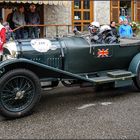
[
  {"x": 57, "y": 14},
  {"x": 102, "y": 12}
]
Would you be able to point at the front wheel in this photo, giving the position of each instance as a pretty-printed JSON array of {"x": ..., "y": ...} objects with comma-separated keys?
[{"x": 20, "y": 90}]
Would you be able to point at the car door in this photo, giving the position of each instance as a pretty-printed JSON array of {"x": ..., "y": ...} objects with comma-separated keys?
[{"x": 81, "y": 57}]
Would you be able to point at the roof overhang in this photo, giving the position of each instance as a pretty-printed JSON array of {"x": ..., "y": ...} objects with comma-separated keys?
[{"x": 49, "y": 2}]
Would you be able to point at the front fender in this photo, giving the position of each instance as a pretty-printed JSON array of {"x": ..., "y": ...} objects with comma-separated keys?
[
  {"x": 135, "y": 63},
  {"x": 41, "y": 70}
]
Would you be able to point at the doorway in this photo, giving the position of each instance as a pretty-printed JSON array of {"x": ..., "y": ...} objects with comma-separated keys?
[
  {"x": 122, "y": 8},
  {"x": 7, "y": 8},
  {"x": 126, "y": 9}
]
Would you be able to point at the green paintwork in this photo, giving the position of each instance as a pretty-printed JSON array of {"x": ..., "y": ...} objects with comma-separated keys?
[
  {"x": 74, "y": 58},
  {"x": 53, "y": 72},
  {"x": 80, "y": 60}
]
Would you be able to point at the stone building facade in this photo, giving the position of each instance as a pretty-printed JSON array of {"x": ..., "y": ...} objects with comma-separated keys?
[
  {"x": 83, "y": 12},
  {"x": 102, "y": 11},
  {"x": 57, "y": 15}
]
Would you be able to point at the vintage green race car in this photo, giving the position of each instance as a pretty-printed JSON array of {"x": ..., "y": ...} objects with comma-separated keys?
[{"x": 30, "y": 65}]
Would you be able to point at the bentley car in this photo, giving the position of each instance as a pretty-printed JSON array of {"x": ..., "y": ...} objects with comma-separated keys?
[{"x": 30, "y": 65}]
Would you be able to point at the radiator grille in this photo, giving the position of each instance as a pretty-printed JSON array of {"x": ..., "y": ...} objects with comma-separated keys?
[{"x": 55, "y": 62}]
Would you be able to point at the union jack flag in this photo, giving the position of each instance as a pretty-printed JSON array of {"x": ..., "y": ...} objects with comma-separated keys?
[{"x": 103, "y": 53}]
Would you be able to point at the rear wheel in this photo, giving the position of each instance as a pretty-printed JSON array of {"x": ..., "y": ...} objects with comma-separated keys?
[
  {"x": 136, "y": 80},
  {"x": 20, "y": 90}
]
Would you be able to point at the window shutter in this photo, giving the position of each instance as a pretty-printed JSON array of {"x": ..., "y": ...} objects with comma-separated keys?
[
  {"x": 132, "y": 10},
  {"x": 138, "y": 10},
  {"x": 115, "y": 10}
]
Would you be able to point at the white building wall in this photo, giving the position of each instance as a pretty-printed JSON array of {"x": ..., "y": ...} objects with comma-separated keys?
[
  {"x": 57, "y": 14},
  {"x": 102, "y": 12}
]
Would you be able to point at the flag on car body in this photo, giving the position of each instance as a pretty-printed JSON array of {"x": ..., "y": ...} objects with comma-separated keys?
[{"x": 103, "y": 52}]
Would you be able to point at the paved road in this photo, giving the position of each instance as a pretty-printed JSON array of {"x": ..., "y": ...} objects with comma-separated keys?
[{"x": 80, "y": 113}]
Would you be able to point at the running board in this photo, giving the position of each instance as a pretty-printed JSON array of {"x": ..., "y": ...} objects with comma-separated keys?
[
  {"x": 119, "y": 73},
  {"x": 109, "y": 79}
]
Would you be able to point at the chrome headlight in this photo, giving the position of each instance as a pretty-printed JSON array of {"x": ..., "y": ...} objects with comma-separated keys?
[{"x": 10, "y": 50}]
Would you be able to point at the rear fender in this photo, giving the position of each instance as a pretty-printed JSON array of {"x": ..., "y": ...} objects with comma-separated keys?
[{"x": 135, "y": 64}]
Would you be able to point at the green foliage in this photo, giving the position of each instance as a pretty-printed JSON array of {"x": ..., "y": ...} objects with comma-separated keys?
[{"x": 136, "y": 28}]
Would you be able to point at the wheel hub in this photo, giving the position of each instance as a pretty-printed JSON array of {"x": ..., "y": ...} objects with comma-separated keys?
[{"x": 19, "y": 95}]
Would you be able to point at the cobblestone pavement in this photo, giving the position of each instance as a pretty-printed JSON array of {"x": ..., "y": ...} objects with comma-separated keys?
[{"x": 79, "y": 113}]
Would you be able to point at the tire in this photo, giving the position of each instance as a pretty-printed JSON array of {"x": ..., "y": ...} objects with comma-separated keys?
[
  {"x": 20, "y": 90},
  {"x": 136, "y": 81}
]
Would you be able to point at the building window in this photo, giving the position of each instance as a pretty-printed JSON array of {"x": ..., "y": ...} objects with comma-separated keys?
[
  {"x": 82, "y": 14},
  {"x": 122, "y": 8}
]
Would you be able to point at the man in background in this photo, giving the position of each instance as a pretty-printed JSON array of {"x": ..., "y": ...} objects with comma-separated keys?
[
  {"x": 113, "y": 28},
  {"x": 33, "y": 19},
  {"x": 19, "y": 20},
  {"x": 9, "y": 19}
]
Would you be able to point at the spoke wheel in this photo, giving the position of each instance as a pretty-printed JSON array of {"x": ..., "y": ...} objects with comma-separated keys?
[{"x": 19, "y": 92}]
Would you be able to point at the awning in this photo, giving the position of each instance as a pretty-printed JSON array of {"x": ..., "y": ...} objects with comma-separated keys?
[{"x": 49, "y": 2}]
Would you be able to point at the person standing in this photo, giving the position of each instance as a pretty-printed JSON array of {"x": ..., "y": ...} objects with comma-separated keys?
[
  {"x": 33, "y": 19},
  {"x": 2, "y": 36},
  {"x": 125, "y": 30},
  {"x": 10, "y": 19},
  {"x": 113, "y": 28},
  {"x": 19, "y": 20},
  {"x": 9, "y": 31}
]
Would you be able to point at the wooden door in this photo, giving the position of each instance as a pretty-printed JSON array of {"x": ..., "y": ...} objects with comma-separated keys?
[
  {"x": 115, "y": 10},
  {"x": 132, "y": 9}
]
